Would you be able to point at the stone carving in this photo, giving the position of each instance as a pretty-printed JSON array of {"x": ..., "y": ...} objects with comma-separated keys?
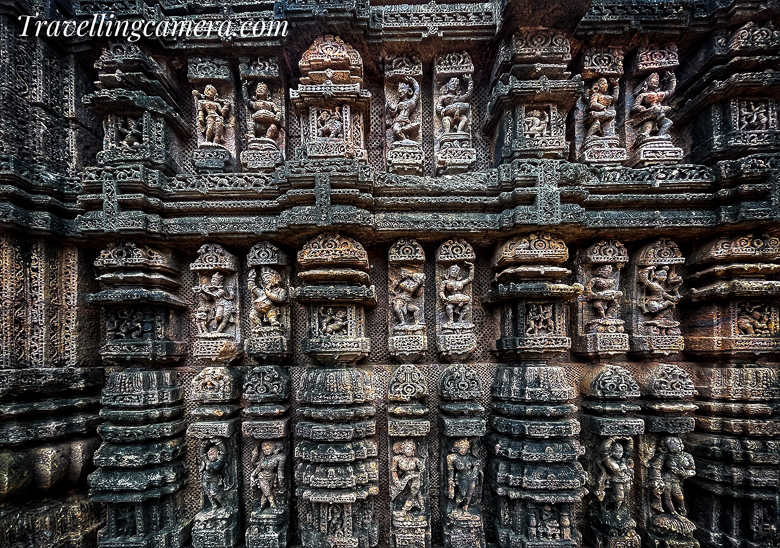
[
  {"x": 332, "y": 105},
  {"x": 406, "y": 285},
  {"x": 454, "y": 274},
  {"x": 403, "y": 116},
  {"x": 648, "y": 120},
  {"x": 218, "y": 309},
  {"x": 267, "y": 388},
  {"x": 268, "y": 283},
  {"x": 452, "y": 95},
  {"x": 655, "y": 320},
  {"x": 461, "y": 473},
  {"x": 597, "y": 108},
  {"x": 599, "y": 327},
  {"x": 216, "y": 131}
]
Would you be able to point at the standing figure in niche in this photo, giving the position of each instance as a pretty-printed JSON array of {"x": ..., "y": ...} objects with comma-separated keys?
[
  {"x": 131, "y": 132},
  {"x": 217, "y": 308},
  {"x": 215, "y": 478},
  {"x": 464, "y": 478},
  {"x": 616, "y": 473},
  {"x": 213, "y": 114},
  {"x": 668, "y": 469},
  {"x": 450, "y": 293},
  {"x": 406, "y": 475},
  {"x": 399, "y": 115},
  {"x": 404, "y": 294},
  {"x": 601, "y": 108},
  {"x": 266, "y": 297},
  {"x": 265, "y": 114},
  {"x": 601, "y": 293},
  {"x": 453, "y": 106},
  {"x": 649, "y": 112},
  {"x": 268, "y": 475}
]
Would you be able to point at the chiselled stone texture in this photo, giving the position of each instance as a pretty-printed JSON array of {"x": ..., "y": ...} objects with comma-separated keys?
[{"x": 255, "y": 288}]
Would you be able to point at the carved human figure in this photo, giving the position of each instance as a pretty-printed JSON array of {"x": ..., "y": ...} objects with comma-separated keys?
[
  {"x": 536, "y": 122},
  {"x": 453, "y": 106},
  {"x": 266, "y": 117},
  {"x": 406, "y": 471},
  {"x": 213, "y": 114},
  {"x": 600, "y": 119},
  {"x": 451, "y": 292},
  {"x": 550, "y": 526},
  {"x": 131, "y": 132},
  {"x": 267, "y": 297},
  {"x": 333, "y": 322},
  {"x": 217, "y": 308},
  {"x": 668, "y": 469},
  {"x": 464, "y": 478},
  {"x": 540, "y": 319},
  {"x": 399, "y": 115},
  {"x": 125, "y": 520},
  {"x": 753, "y": 116},
  {"x": 754, "y": 320},
  {"x": 601, "y": 293},
  {"x": 662, "y": 287},
  {"x": 404, "y": 294},
  {"x": 616, "y": 473},
  {"x": 214, "y": 479},
  {"x": 648, "y": 111},
  {"x": 268, "y": 474},
  {"x": 126, "y": 324},
  {"x": 330, "y": 124}
]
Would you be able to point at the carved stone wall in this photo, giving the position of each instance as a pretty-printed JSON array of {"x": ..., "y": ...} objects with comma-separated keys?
[{"x": 398, "y": 275}]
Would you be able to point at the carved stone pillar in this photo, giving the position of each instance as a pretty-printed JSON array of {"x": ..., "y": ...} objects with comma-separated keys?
[
  {"x": 331, "y": 102},
  {"x": 267, "y": 423},
  {"x": 650, "y": 87},
  {"x": 214, "y": 114},
  {"x": 460, "y": 463},
  {"x": 455, "y": 337},
  {"x": 403, "y": 116},
  {"x": 141, "y": 470},
  {"x": 610, "y": 437},
  {"x": 268, "y": 283},
  {"x": 262, "y": 91},
  {"x": 654, "y": 318},
  {"x": 337, "y": 476},
  {"x": 599, "y": 329},
  {"x": 534, "y": 471},
  {"x": 666, "y": 411},
  {"x": 532, "y": 95},
  {"x": 453, "y": 87},
  {"x": 217, "y": 524},
  {"x": 218, "y": 336},
  {"x": 595, "y": 138},
  {"x": 734, "y": 307}
]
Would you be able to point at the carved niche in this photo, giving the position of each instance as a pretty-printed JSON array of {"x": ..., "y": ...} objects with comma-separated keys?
[
  {"x": 454, "y": 300},
  {"x": 534, "y": 310},
  {"x": 403, "y": 116},
  {"x": 214, "y": 114},
  {"x": 331, "y": 102},
  {"x": 734, "y": 304},
  {"x": 217, "y": 313},
  {"x": 653, "y": 281},
  {"x": 596, "y": 140},
  {"x": 406, "y": 314},
  {"x": 649, "y": 89},
  {"x": 268, "y": 285},
  {"x": 600, "y": 331},
  {"x": 142, "y": 311},
  {"x": 453, "y": 87},
  {"x": 262, "y": 92}
]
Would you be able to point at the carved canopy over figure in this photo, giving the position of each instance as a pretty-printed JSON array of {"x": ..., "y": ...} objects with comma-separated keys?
[
  {"x": 450, "y": 292},
  {"x": 600, "y": 119},
  {"x": 266, "y": 117},
  {"x": 217, "y": 309},
  {"x": 453, "y": 106},
  {"x": 213, "y": 114},
  {"x": 268, "y": 475},
  {"x": 648, "y": 111},
  {"x": 399, "y": 115},
  {"x": 464, "y": 478},
  {"x": 406, "y": 290},
  {"x": 266, "y": 297},
  {"x": 406, "y": 471}
]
